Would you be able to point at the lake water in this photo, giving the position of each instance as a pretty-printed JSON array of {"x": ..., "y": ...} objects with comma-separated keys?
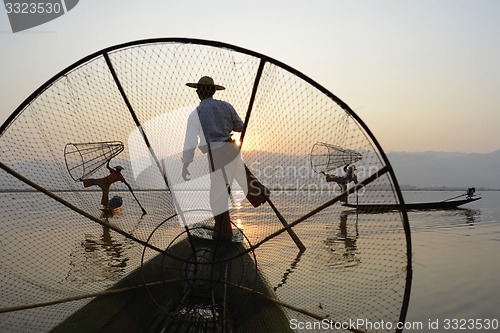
[{"x": 455, "y": 260}]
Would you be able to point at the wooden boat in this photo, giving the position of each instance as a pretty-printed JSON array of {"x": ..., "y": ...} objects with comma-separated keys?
[
  {"x": 209, "y": 286},
  {"x": 413, "y": 206}
]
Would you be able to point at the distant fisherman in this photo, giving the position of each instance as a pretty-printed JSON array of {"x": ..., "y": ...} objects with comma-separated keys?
[
  {"x": 470, "y": 192},
  {"x": 349, "y": 176},
  {"x": 114, "y": 176}
]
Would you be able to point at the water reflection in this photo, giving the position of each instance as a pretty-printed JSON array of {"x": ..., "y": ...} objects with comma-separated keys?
[
  {"x": 108, "y": 246},
  {"x": 290, "y": 270},
  {"x": 444, "y": 219},
  {"x": 98, "y": 258},
  {"x": 341, "y": 242},
  {"x": 470, "y": 215}
]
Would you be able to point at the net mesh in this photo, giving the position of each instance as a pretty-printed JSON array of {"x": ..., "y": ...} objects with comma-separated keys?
[{"x": 64, "y": 264}]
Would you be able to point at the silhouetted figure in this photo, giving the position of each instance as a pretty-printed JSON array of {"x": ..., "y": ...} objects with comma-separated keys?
[
  {"x": 104, "y": 183},
  {"x": 470, "y": 192},
  {"x": 343, "y": 181},
  {"x": 210, "y": 127}
]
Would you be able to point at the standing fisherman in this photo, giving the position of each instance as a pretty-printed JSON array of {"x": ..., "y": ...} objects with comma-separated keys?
[
  {"x": 349, "y": 176},
  {"x": 104, "y": 183},
  {"x": 209, "y": 127}
]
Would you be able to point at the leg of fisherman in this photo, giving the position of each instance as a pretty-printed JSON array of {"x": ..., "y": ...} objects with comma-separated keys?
[{"x": 219, "y": 195}]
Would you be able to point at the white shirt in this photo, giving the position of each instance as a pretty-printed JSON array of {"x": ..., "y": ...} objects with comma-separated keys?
[{"x": 213, "y": 121}]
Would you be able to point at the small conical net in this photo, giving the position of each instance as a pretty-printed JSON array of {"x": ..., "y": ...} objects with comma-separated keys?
[
  {"x": 327, "y": 157},
  {"x": 84, "y": 159},
  {"x": 67, "y": 268}
]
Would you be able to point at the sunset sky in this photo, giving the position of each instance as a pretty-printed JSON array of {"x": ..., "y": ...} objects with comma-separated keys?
[{"x": 423, "y": 75}]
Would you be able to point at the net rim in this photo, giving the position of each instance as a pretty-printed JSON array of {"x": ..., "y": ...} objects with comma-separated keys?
[{"x": 263, "y": 59}]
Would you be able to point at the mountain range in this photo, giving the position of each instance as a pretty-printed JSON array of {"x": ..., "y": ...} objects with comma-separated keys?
[
  {"x": 422, "y": 170},
  {"x": 445, "y": 169}
]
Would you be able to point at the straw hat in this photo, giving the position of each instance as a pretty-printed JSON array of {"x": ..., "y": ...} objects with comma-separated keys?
[{"x": 205, "y": 81}]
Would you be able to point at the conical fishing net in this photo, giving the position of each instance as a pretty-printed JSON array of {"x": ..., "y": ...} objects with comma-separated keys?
[
  {"x": 300, "y": 261},
  {"x": 327, "y": 157},
  {"x": 84, "y": 159}
]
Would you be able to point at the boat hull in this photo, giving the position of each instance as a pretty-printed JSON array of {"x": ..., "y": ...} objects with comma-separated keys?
[
  {"x": 155, "y": 296},
  {"x": 115, "y": 207},
  {"x": 412, "y": 206}
]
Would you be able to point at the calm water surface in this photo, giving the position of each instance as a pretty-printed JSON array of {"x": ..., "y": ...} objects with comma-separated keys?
[{"x": 455, "y": 261}]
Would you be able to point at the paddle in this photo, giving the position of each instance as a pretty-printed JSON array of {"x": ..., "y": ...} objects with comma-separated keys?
[
  {"x": 458, "y": 196},
  {"x": 470, "y": 193},
  {"x": 130, "y": 189}
]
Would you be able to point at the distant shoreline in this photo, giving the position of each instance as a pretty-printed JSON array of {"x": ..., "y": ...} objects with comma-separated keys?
[
  {"x": 404, "y": 188},
  {"x": 442, "y": 188}
]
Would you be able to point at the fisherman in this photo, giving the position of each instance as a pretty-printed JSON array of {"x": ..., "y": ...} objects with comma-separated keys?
[
  {"x": 470, "y": 192},
  {"x": 343, "y": 181},
  {"x": 115, "y": 175},
  {"x": 210, "y": 127},
  {"x": 350, "y": 174}
]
